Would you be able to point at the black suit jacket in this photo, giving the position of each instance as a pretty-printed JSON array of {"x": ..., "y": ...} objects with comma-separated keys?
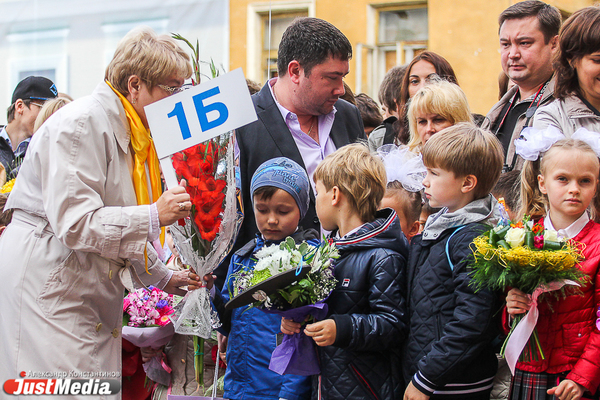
[{"x": 269, "y": 137}]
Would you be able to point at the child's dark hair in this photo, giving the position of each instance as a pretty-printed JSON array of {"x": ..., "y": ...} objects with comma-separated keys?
[
  {"x": 369, "y": 111},
  {"x": 265, "y": 192},
  {"x": 5, "y": 216},
  {"x": 508, "y": 187},
  {"x": 428, "y": 209},
  {"x": 533, "y": 201},
  {"x": 412, "y": 201},
  {"x": 392, "y": 81}
]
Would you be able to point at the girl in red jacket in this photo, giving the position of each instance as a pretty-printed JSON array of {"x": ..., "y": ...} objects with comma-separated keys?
[{"x": 559, "y": 187}]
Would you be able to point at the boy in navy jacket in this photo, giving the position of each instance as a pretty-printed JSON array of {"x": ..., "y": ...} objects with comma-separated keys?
[
  {"x": 359, "y": 342},
  {"x": 448, "y": 353}
]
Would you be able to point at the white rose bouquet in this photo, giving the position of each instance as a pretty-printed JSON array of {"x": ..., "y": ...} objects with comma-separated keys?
[
  {"x": 277, "y": 258},
  {"x": 526, "y": 256},
  {"x": 304, "y": 297}
]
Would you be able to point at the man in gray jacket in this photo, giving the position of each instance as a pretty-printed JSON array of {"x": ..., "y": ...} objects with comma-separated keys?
[{"x": 528, "y": 40}]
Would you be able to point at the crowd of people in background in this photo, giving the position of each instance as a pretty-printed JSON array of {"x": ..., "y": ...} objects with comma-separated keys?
[{"x": 401, "y": 185}]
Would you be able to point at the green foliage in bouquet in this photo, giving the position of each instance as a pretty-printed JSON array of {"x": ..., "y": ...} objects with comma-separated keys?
[
  {"x": 287, "y": 255},
  {"x": 525, "y": 256}
]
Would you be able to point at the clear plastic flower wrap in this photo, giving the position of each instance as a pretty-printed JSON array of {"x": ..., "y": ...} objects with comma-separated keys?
[{"x": 204, "y": 239}]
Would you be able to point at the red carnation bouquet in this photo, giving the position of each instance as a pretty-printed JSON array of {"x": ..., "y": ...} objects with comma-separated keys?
[{"x": 204, "y": 239}]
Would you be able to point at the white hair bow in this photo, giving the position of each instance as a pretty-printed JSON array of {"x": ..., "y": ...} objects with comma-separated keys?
[
  {"x": 533, "y": 142},
  {"x": 591, "y": 138},
  {"x": 403, "y": 166}
]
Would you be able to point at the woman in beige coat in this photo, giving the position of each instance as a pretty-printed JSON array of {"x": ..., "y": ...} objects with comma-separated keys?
[
  {"x": 577, "y": 69},
  {"x": 87, "y": 206}
]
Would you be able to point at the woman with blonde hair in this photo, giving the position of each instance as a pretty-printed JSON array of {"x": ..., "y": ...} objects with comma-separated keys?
[
  {"x": 88, "y": 204},
  {"x": 436, "y": 106}
]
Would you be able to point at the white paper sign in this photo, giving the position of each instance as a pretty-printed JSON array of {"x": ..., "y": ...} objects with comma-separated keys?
[{"x": 198, "y": 114}]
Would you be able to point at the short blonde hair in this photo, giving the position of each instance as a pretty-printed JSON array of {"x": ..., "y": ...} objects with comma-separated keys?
[
  {"x": 151, "y": 57},
  {"x": 49, "y": 108},
  {"x": 465, "y": 149},
  {"x": 359, "y": 175},
  {"x": 438, "y": 97}
]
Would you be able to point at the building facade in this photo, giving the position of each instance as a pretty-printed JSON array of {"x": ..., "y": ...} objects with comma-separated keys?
[
  {"x": 72, "y": 41},
  {"x": 385, "y": 33}
]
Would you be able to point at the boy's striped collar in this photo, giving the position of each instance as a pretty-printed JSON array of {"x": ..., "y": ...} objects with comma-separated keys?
[{"x": 373, "y": 230}]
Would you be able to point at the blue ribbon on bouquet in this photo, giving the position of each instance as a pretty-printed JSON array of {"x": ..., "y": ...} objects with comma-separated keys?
[{"x": 300, "y": 265}]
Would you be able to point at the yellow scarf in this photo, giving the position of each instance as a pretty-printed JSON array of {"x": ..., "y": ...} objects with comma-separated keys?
[{"x": 144, "y": 152}]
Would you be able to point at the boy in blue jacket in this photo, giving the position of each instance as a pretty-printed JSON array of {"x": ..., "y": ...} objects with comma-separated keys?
[
  {"x": 449, "y": 352},
  {"x": 280, "y": 197},
  {"x": 359, "y": 341}
]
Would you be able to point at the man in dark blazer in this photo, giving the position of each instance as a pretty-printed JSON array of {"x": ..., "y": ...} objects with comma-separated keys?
[{"x": 300, "y": 115}]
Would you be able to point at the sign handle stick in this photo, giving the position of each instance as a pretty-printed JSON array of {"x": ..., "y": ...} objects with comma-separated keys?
[{"x": 168, "y": 172}]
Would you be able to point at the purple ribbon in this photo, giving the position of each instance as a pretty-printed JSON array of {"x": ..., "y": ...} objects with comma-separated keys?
[{"x": 297, "y": 353}]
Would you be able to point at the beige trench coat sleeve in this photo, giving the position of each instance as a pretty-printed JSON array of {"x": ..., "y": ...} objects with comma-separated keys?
[
  {"x": 156, "y": 268},
  {"x": 78, "y": 170},
  {"x": 73, "y": 190}
]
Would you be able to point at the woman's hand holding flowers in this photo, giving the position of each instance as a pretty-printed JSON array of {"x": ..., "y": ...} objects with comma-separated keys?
[
  {"x": 194, "y": 281},
  {"x": 179, "y": 279},
  {"x": 173, "y": 204}
]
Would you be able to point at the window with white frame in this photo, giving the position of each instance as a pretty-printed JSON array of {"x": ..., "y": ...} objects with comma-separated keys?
[
  {"x": 395, "y": 35},
  {"x": 272, "y": 31},
  {"x": 402, "y": 33},
  {"x": 266, "y": 24},
  {"x": 40, "y": 53}
]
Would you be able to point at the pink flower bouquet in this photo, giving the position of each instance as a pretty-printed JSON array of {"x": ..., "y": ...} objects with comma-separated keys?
[
  {"x": 147, "y": 308},
  {"x": 146, "y": 323}
]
